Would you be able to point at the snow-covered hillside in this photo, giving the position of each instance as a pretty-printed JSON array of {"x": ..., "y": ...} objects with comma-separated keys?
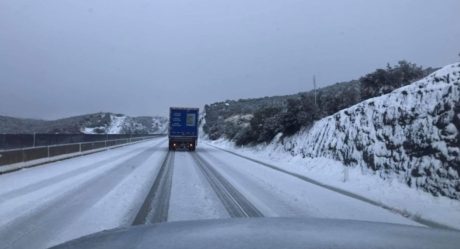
[
  {"x": 121, "y": 124},
  {"x": 95, "y": 123},
  {"x": 411, "y": 134}
]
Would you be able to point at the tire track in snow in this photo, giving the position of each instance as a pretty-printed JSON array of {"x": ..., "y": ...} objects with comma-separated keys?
[
  {"x": 234, "y": 202},
  {"x": 156, "y": 205}
]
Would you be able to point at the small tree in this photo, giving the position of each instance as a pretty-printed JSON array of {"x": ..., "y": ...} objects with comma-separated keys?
[
  {"x": 264, "y": 125},
  {"x": 383, "y": 81}
]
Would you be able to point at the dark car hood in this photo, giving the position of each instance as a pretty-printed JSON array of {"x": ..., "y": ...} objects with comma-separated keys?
[{"x": 269, "y": 233}]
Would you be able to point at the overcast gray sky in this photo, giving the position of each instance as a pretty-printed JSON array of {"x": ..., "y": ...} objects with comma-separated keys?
[{"x": 65, "y": 57}]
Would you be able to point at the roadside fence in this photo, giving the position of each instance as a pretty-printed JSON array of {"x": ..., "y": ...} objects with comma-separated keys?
[{"x": 21, "y": 155}]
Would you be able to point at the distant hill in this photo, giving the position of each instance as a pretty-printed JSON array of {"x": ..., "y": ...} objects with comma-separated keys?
[
  {"x": 258, "y": 120},
  {"x": 96, "y": 123}
]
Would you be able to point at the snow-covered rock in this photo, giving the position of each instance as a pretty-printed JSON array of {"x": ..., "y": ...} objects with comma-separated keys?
[{"x": 411, "y": 134}]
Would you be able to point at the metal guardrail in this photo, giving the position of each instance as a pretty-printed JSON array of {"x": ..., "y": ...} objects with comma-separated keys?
[
  {"x": 13, "y": 156},
  {"x": 17, "y": 141}
]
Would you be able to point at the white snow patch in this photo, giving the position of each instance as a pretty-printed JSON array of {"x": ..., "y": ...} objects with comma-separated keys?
[
  {"x": 92, "y": 130},
  {"x": 116, "y": 124}
]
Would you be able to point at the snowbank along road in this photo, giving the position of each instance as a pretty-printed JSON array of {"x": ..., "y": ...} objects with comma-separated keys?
[{"x": 145, "y": 183}]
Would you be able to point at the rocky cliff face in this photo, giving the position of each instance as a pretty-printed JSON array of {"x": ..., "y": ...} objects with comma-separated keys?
[{"x": 411, "y": 134}]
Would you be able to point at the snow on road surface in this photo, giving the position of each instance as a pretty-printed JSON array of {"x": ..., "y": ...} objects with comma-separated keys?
[
  {"x": 392, "y": 193},
  {"x": 191, "y": 195},
  {"x": 119, "y": 206},
  {"x": 53, "y": 203},
  {"x": 285, "y": 195},
  {"x": 43, "y": 216}
]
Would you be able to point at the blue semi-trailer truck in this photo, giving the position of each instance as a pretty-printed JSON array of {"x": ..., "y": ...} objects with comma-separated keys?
[{"x": 183, "y": 128}]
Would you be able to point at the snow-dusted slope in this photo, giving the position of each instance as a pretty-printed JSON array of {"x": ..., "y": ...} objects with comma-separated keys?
[
  {"x": 95, "y": 123},
  {"x": 116, "y": 124},
  {"x": 121, "y": 124},
  {"x": 411, "y": 134},
  {"x": 160, "y": 124}
]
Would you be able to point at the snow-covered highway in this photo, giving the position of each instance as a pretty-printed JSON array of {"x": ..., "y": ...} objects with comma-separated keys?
[{"x": 144, "y": 183}]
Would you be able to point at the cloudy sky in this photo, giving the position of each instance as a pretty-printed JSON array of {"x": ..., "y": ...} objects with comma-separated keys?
[{"x": 139, "y": 57}]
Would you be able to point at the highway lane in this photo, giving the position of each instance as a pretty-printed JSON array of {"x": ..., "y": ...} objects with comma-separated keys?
[
  {"x": 192, "y": 196},
  {"x": 51, "y": 213}
]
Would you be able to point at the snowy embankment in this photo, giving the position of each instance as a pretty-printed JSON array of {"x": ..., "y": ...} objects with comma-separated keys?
[
  {"x": 411, "y": 134},
  {"x": 387, "y": 148}
]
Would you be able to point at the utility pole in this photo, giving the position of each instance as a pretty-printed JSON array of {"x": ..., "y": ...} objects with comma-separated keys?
[{"x": 314, "y": 87}]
